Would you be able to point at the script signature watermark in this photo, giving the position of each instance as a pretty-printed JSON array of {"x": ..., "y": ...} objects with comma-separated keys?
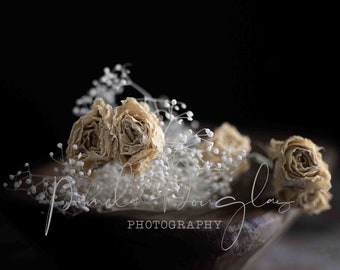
[{"x": 226, "y": 201}]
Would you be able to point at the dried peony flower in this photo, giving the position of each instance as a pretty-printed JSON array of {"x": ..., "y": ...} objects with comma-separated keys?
[
  {"x": 229, "y": 142},
  {"x": 312, "y": 201},
  {"x": 138, "y": 136},
  {"x": 90, "y": 140},
  {"x": 300, "y": 174}
]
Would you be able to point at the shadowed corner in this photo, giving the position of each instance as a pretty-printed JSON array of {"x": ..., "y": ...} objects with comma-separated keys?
[{"x": 18, "y": 247}]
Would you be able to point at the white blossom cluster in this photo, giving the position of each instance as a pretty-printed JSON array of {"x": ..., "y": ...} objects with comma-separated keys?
[{"x": 180, "y": 176}]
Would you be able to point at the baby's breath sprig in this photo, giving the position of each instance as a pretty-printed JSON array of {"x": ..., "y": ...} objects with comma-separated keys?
[
  {"x": 107, "y": 87},
  {"x": 148, "y": 153}
]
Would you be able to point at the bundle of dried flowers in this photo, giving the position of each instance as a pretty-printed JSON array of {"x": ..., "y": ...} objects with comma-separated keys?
[
  {"x": 149, "y": 154},
  {"x": 146, "y": 154}
]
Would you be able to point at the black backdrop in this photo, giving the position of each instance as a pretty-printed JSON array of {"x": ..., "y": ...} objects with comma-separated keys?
[
  {"x": 254, "y": 64},
  {"x": 259, "y": 65}
]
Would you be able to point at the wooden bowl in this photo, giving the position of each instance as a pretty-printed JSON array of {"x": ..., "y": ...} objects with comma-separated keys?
[{"x": 110, "y": 239}]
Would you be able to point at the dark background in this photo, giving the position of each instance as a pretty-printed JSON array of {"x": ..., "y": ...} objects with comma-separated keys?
[
  {"x": 256, "y": 64},
  {"x": 259, "y": 65}
]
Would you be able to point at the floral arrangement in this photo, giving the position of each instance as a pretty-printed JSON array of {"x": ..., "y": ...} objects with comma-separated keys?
[{"x": 149, "y": 153}]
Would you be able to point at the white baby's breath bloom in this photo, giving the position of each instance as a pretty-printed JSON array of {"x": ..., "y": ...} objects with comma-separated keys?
[{"x": 228, "y": 144}]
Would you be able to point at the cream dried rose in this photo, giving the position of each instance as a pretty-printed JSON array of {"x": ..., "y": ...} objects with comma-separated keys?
[
  {"x": 138, "y": 135},
  {"x": 299, "y": 163},
  {"x": 227, "y": 139},
  {"x": 312, "y": 201},
  {"x": 90, "y": 136},
  {"x": 300, "y": 174}
]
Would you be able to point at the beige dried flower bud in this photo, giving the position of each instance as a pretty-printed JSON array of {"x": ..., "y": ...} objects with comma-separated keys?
[
  {"x": 299, "y": 163},
  {"x": 301, "y": 174},
  {"x": 138, "y": 136},
  {"x": 227, "y": 139},
  {"x": 90, "y": 136},
  {"x": 311, "y": 201}
]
